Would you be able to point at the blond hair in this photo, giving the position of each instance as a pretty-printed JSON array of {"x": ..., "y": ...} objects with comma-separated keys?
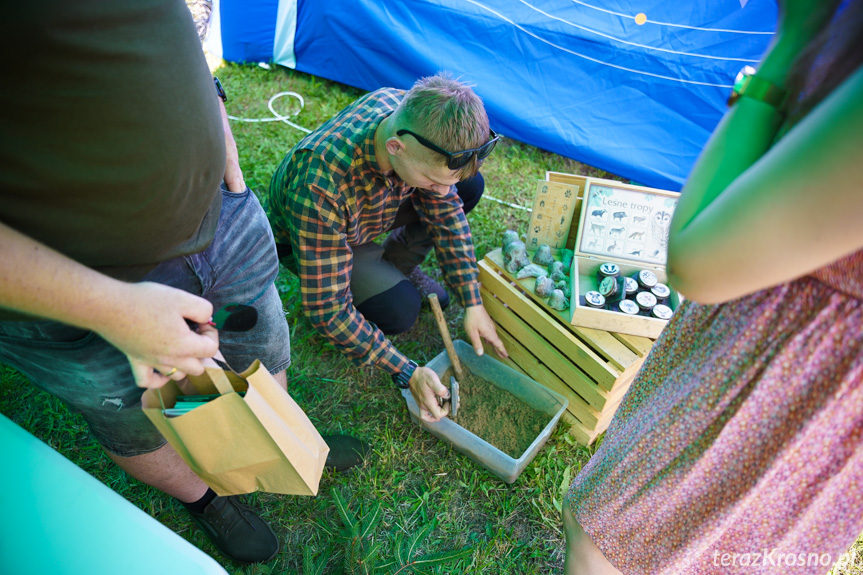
[{"x": 448, "y": 113}]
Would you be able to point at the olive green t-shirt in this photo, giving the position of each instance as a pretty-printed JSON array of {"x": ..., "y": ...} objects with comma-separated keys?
[{"x": 111, "y": 142}]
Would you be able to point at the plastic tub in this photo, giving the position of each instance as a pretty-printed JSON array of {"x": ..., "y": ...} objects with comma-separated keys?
[{"x": 524, "y": 388}]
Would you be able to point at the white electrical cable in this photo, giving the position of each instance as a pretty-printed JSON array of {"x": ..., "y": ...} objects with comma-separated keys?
[
  {"x": 488, "y": 197},
  {"x": 280, "y": 118}
]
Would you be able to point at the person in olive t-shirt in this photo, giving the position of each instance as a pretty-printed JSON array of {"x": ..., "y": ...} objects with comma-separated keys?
[{"x": 114, "y": 148}]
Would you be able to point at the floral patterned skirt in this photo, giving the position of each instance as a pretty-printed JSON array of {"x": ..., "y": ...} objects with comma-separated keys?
[{"x": 739, "y": 446}]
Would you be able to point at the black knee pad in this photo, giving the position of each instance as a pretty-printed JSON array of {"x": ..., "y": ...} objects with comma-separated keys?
[{"x": 395, "y": 310}]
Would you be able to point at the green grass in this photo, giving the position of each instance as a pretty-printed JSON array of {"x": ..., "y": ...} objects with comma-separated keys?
[{"x": 413, "y": 477}]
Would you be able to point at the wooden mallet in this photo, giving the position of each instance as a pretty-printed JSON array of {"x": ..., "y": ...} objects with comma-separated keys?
[{"x": 450, "y": 350}]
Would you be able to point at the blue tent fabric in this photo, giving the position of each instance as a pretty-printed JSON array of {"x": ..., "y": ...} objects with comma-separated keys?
[
  {"x": 248, "y": 29},
  {"x": 634, "y": 88}
]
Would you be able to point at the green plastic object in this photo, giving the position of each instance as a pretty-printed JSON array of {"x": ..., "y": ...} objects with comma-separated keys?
[
  {"x": 58, "y": 519},
  {"x": 477, "y": 449}
]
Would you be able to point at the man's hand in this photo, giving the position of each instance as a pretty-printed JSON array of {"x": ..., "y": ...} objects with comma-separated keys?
[
  {"x": 233, "y": 174},
  {"x": 153, "y": 333},
  {"x": 145, "y": 321},
  {"x": 426, "y": 388},
  {"x": 478, "y": 326}
]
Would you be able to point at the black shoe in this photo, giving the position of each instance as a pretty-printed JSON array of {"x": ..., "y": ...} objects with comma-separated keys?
[
  {"x": 237, "y": 531},
  {"x": 426, "y": 285},
  {"x": 345, "y": 452}
]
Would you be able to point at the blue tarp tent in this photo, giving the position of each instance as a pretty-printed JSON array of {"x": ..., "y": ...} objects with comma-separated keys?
[{"x": 634, "y": 88}]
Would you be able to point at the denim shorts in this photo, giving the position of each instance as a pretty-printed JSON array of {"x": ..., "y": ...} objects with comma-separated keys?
[{"x": 94, "y": 378}]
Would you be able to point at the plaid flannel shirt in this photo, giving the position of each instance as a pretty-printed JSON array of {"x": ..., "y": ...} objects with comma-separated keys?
[{"x": 329, "y": 194}]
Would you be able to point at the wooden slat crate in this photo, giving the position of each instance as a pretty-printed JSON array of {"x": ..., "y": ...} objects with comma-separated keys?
[{"x": 592, "y": 368}]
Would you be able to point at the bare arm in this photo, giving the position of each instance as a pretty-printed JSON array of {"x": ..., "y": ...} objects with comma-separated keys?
[
  {"x": 233, "y": 174},
  {"x": 144, "y": 320},
  {"x": 751, "y": 215}
]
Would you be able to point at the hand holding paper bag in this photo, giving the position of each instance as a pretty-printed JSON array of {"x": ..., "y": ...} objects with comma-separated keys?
[{"x": 260, "y": 442}]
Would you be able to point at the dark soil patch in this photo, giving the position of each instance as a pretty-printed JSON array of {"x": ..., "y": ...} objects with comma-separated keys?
[{"x": 496, "y": 415}]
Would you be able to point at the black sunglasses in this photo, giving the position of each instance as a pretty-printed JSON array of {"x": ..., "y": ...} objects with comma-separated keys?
[{"x": 458, "y": 160}]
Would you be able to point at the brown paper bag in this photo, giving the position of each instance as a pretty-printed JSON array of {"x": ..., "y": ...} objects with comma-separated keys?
[{"x": 260, "y": 442}]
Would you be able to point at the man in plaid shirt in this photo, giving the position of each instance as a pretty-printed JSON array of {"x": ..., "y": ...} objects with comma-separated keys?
[{"x": 386, "y": 163}]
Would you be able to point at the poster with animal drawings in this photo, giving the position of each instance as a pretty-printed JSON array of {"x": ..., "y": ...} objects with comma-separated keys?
[{"x": 626, "y": 223}]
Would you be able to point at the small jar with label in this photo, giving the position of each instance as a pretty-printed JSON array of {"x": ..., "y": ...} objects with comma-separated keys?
[
  {"x": 630, "y": 287},
  {"x": 628, "y": 307},
  {"x": 646, "y": 279},
  {"x": 607, "y": 270},
  {"x": 609, "y": 288},
  {"x": 645, "y": 301},
  {"x": 661, "y": 291},
  {"x": 594, "y": 299},
  {"x": 661, "y": 311}
]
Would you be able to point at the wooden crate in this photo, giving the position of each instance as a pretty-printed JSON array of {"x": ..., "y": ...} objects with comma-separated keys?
[{"x": 591, "y": 368}]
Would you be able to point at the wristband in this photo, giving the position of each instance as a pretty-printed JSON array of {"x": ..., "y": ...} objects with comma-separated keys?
[
  {"x": 751, "y": 86},
  {"x": 220, "y": 92},
  {"x": 402, "y": 379}
]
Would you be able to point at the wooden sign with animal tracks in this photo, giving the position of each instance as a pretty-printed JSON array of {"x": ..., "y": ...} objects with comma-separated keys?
[{"x": 553, "y": 207}]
